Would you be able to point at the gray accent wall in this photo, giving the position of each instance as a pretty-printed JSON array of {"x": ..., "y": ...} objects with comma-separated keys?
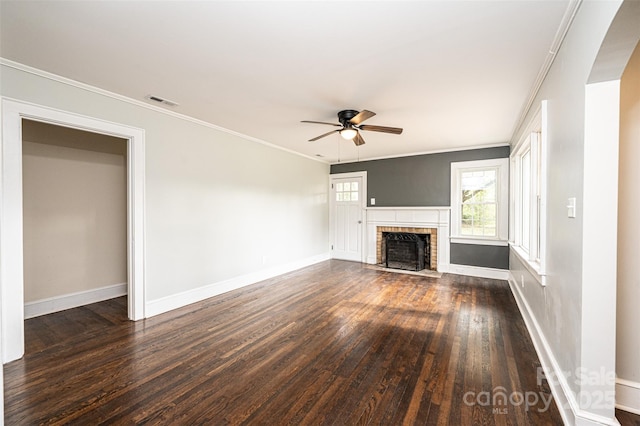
[
  {"x": 416, "y": 181},
  {"x": 480, "y": 255},
  {"x": 425, "y": 181}
]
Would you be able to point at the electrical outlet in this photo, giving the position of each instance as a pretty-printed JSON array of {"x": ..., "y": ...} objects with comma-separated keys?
[{"x": 373, "y": 201}]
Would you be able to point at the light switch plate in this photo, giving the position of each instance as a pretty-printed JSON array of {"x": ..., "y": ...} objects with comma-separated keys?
[{"x": 571, "y": 207}]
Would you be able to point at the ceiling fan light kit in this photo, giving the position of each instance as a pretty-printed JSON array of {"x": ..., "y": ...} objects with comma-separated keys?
[
  {"x": 348, "y": 133},
  {"x": 350, "y": 123}
]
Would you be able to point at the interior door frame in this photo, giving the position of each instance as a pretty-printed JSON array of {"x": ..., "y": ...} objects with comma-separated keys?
[
  {"x": 11, "y": 214},
  {"x": 363, "y": 206}
]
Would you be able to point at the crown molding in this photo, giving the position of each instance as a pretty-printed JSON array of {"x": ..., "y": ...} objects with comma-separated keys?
[
  {"x": 563, "y": 29},
  {"x": 435, "y": 151},
  {"x": 83, "y": 86}
]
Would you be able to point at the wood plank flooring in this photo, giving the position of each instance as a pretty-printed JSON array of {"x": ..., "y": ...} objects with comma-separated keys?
[
  {"x": 627, "y": 419},
  {"x": 335, "y": 343}
]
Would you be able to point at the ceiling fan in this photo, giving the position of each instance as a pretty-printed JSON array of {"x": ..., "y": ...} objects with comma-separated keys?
[{"x": 350, "y": 122}]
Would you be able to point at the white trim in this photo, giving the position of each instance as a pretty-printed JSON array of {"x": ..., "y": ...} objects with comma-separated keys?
[
  {"x": 502, "y": 195},
  {"x": 530, "y": 266},
  {"x": 434, "y": 151},
  {"x": 419, "y": 217},
  {"x": 562, "y": 393},
  {"x": 534, "y": 141},
  {"x": 1, "y": 277},
  {"x": 73, "y": 300},
  {"x": 11, "y": 272},
  {"x": 478, "y": 241},
  {"x": 103, "y": 92},
  {"x": 175, "y": 301},
  {"x": 599, "y": 211},
  {"x": 534, "y": 125},
  {"x": 559, "y": 388},
  {"x": 136, "y": 225},
  {"x": 477, "y": 271},
  {"x": 628, "y": 396},
  {"x": 409, "y": 208},
  {"x": 11, "y": 255},
  {"x": 544, "y": 176}
]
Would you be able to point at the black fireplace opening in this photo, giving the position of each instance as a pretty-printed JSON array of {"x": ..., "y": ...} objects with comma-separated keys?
[{"x": 405, "y": 250}]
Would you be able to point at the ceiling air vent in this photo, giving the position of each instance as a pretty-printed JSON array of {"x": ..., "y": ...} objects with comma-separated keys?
[{"x": 161, "y": 100}]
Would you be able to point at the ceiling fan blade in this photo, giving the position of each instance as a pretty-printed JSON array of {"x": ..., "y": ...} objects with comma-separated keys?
[
  {"x": 321, "y": 122},
  {"x": 384, "y": 129},
  {"x": 362, "y": 115},
  {"x": 322, "y": 136},
  {"x": 358, "y": 139}
]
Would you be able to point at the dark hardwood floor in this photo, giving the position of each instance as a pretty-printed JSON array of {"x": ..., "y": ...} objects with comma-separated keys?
[
  {"x": 334, "y": 343},
  {"x": 627, "y": 419}
]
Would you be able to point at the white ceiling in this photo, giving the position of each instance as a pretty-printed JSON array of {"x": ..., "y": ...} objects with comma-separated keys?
[{"x": 453, "y": 74}]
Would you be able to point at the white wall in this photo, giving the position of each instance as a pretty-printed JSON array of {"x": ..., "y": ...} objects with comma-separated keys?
[
  {"x": 218, "y": 206},
  {"x": 628, "y": 300},
  {"x": 74, "y": 210},
  {"x": 557, "y": 312}
]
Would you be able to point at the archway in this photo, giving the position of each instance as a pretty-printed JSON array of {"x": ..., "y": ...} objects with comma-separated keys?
[{"x": 601, "y": 166}]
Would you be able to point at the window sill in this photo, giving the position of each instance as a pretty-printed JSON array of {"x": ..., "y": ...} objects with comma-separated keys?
[
  {"x": 479, "y": 241},
  {"x": 534, "y": 268}
]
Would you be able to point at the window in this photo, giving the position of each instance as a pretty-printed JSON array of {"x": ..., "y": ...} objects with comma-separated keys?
[
  {"x": 525, "y": 198},
  {"x": 479, "y": 205},
  {"x": 347, "y": 191},
  {"x": 528, "y": 195}
]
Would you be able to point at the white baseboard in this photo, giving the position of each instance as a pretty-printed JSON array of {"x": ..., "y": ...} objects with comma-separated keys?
[
  {"x": 73, "y": 300},
  {"x": 547, "y": 359},
  {"x": 628, "y": 396},
  {"x": 476, "y": 271},
  {"x": 166, "y": 304},
  {"x": 562, "y": 393}
]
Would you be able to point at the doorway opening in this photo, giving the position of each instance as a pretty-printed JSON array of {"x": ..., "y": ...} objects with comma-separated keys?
[
  {"x": 11, "y": 212},
  {"x": 74, "y": 217}
]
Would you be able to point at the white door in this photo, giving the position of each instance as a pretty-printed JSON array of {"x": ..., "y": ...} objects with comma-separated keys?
[{"x": 347, "y": 194}]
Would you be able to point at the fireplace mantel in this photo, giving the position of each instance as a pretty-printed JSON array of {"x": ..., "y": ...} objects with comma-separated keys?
[{"x": 412, "y": 217}]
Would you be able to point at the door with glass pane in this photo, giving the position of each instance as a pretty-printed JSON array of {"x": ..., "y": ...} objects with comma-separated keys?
[{"x": 346, "y": 218}]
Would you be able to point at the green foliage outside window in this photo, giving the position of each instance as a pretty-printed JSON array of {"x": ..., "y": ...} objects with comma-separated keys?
[{"x": 479, "y": 204}]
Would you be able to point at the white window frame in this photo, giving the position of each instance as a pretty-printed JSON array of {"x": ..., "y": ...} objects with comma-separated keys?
[
  {"x": 502, "y": 200},
  {"x": 533, "y": 140}
]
